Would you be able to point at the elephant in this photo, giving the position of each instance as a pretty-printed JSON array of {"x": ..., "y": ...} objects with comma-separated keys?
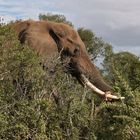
[{"x": 49, "y": 38}]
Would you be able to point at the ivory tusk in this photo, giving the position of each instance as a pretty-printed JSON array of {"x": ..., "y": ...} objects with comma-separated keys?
[{"x": 100, "y": 92}]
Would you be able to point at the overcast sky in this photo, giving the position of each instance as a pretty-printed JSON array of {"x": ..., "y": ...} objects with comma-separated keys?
[{"x": 116, "y": 21}]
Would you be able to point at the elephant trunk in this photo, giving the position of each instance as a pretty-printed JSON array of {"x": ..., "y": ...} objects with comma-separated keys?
[
  {"x": 107, "y": 95},
  {"x": 90, "y": 77}
]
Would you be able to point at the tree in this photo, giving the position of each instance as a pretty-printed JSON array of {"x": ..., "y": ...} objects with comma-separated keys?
[
  {"x": 55, "y": 17},
  {"x": 126, "y": 63},
  {"x": 129, "y": 66},
  {"x": 95, "y": 45}
]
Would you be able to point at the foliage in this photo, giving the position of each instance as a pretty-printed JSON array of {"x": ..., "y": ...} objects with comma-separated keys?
[
  {"x": 131, "y": 68},
  {"x": 55, "y": 17},
  {"x": 38, "y": 104},
  {"x": 126, "y": 63},
  {"x": 121, "y": 120},
  {"x": 95, "y": 45}
]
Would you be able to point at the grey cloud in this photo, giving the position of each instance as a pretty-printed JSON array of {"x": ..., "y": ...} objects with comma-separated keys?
[
  {"x": 117, "y": 22},
  {"x": 125, "y": 36},
  {"x": 131, "y": 49}
]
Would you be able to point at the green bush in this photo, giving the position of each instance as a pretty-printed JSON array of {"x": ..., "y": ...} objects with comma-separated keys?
[{"x": 37, "y": 104}]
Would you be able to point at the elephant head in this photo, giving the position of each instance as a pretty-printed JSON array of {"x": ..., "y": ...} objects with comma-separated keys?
[{"x": 48, "y": 38}]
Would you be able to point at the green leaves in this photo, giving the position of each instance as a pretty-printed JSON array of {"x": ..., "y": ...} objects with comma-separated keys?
[
  {"x": 49, "y": 104},
  {"x": 38, "y": 104},
  {"x": 55, "y": 17}
]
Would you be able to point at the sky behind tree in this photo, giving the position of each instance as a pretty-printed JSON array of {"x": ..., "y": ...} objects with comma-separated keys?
[{"x": 117, "y": 22}]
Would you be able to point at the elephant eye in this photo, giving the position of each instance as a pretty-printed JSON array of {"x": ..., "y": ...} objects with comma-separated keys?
[
  {"x": 60, "y": 35},
  {"x": 69, "y": 40},
  {"x": 76, "y": 51}
]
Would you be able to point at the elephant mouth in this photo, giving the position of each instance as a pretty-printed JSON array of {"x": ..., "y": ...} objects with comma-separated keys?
[{"x": 107, "y": 95}]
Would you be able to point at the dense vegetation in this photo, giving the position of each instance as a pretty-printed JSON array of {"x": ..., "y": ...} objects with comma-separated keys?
[{"x": 37, "y": 104}]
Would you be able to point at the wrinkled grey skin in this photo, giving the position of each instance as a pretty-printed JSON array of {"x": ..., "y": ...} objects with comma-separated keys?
[{"x": 49, "y": 38}]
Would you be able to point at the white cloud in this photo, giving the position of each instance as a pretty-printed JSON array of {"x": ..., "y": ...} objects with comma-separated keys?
[
  {"x": 24, "y": 9},
  {"x": 7, "y": 19}
]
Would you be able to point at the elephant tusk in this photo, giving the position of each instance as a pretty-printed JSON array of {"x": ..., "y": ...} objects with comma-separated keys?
[{"x": 100, "y": 92}]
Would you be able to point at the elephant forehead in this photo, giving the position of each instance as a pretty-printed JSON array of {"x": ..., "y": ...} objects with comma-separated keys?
[
  {"x": 62, "y": 33},
  {"x": 66, "y": 30}
]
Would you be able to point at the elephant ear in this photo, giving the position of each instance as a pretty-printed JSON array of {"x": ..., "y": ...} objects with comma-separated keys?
[
  {"x": 58, "y": 34},
  {"x": 21, "y": 28},
  {"x": 64, "y": 42}
]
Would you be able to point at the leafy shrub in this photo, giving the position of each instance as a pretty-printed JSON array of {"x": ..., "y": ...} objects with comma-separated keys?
[{"x": 37, "y": 104}]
